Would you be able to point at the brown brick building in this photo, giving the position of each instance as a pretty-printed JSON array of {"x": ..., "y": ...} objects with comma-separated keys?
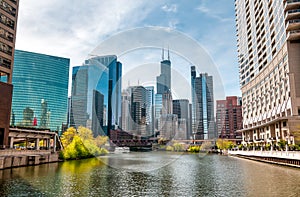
[
  {"x": 229, "y": 117},
  {"x": 8, "y": 27}
]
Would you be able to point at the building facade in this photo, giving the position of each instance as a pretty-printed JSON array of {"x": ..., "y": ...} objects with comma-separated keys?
[
  {"x": 40, "y": 97},
  {"x": 268, "y": 36},
  {"x": 96, "y": 94},
  {"x": 150, "y": 110},
  {"x": 229, "y": 117},
  {"x": 138, "y": 108},
  {"x": 181, "y": 109},
  {"x": 8, "y": 29},
  {"x": 202, "y": 106}
]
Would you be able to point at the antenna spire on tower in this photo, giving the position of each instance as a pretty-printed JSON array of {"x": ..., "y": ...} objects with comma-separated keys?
[
  {"x": 163, "y": 54},
  {"x": 168, "y": 53}
]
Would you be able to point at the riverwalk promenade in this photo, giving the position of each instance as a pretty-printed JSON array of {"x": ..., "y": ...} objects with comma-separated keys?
[{"x": 288, "y": 158}]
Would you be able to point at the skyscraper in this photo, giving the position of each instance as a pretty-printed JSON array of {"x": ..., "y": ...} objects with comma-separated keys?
[
  {"x": 8, "y": 28},
  {"x": 203, "y": 105},
  {"x": 164, "y": 79},
  {"x": 96, "y": 94},
  {"x": 40, "y": 97},
  {"x": 229, "y": 117},
  {"x": 268, "y": 35},
  {"x": 138, "y": 110},
  {"x": 181, "y": 109},
  {"x": 150, "y": 110}
]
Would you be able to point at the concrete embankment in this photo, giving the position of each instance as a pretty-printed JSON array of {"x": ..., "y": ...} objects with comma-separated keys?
[
  {"x": 286, "y": 158},
  {"x": 18, "y": 158}
]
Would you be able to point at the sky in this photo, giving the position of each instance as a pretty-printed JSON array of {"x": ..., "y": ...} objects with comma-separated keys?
[{"x": 74, "y": 28}]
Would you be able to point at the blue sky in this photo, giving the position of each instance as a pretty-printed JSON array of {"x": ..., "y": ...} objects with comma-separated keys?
[{"x": 73, "y": 28}]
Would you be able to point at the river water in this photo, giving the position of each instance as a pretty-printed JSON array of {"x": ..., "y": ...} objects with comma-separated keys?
[{"x": 152, "y": 174}]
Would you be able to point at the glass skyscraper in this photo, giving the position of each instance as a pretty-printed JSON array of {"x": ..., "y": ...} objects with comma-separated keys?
[
  {"x": 203, "y": 105},
  {"x": 40, "y": 96},
  {"x": 96, "y": 94}
]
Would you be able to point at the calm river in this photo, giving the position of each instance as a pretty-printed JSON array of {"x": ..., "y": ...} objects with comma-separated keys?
[{"x": 152, "y": 174}]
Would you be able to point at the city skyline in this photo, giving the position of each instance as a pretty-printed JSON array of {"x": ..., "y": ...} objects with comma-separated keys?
[{"x": 83, "y": 34}]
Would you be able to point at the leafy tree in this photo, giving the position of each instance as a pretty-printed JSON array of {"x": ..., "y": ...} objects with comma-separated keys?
[
  {"x": 206, "y": 146},
  {"x": 101, "y": 140},
  {"x": 178, "y": 147},
  {"x": 224, "y": 144},
  {"x": 81, "y": 144},
  {"x": 67, "y": 136}
]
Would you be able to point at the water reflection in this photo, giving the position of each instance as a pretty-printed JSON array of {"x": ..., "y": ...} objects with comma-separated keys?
[{"x": 132, "y": 175}]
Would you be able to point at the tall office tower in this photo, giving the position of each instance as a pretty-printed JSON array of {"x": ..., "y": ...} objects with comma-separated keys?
[
  {"x": 96, "y": 87},
  {"x": 203, "y": 105},
  {"x": 229, "y": 117},
  {"x": 169, "y": 126},
  {"x": 268, "y": 36},
  {"x": 125, "y": 111},
  {"x": 97, "y": 110},
  {"x": 8, "y": 27},
  {"x": 149, "y": 110},
  {"x": 138, "y": 110},
  {"x": 181, "y": 109},
  {"x": 40, "y": 97},
  {"x": 158, "y": 105},
  {"x": 163, "y": 81}
]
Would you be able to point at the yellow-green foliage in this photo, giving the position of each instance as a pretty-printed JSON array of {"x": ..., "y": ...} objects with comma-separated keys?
[
  {"x": 194, "y": 149},
  {"x": 81, "y": 144},
  {"x": 169, "y": 148},
  {"x": 178, "y": 147},
  {"x": 224, "y": 144},
  {"x": 206, "y": 146}
]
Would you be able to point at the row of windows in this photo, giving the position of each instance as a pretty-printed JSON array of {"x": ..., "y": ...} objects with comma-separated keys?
[
  {"x": 7, "y": 21},
  {"x": 5, "y": 48},
  {"x": 8, "y": 8},
  {"x": 5, "y": 62},
  {"x": 6, "y": 35}
]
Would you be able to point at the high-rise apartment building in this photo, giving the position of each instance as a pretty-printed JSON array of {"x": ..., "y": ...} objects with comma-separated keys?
[
  {"x": 96, "y": 94},
  {"x": 40, "y": 96},
  {"x": 268, "y": 36},
  {"x": 202, "y": 105},
  {"x": 8, "y": 28},
  {"x": 229, "y": 117}
]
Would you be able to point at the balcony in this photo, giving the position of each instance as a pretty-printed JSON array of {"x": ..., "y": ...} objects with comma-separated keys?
[
  {"x": 293, "y": 35},
  {"x": 291, "y": 4},
  {"x": 293, "y": 24},
  {"x": 292, "y": 14}
]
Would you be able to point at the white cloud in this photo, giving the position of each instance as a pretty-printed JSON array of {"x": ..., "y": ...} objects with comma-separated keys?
[
  {"x": 213, "y": 13},
  {"x": 171, "y": 8},
  {"x": 73, "y": 28}
]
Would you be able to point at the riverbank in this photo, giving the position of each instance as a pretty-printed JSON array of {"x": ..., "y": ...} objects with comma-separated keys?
[
  {"x": 285, "y": 158},
  {"x": 18, "y": 158}
]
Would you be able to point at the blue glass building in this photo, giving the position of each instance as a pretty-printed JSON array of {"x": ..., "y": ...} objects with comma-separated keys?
[
  {"x": 40, "y": 92},
  {"x": 202, "y": 105},
  {"x": 96, "y": 94}
]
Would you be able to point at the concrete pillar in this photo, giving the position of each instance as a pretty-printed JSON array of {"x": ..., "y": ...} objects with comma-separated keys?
[
  {"x": 37, "y": 145},
  {"x": 54, "y": 143},
  {"x": 11, "y": 142},
  {"x": 48, "y": 144}
]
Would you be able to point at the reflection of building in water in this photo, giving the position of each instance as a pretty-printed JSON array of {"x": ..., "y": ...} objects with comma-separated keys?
[
  {"x": 40, "y": 85},
  {"x": 96, "y": 94}
]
